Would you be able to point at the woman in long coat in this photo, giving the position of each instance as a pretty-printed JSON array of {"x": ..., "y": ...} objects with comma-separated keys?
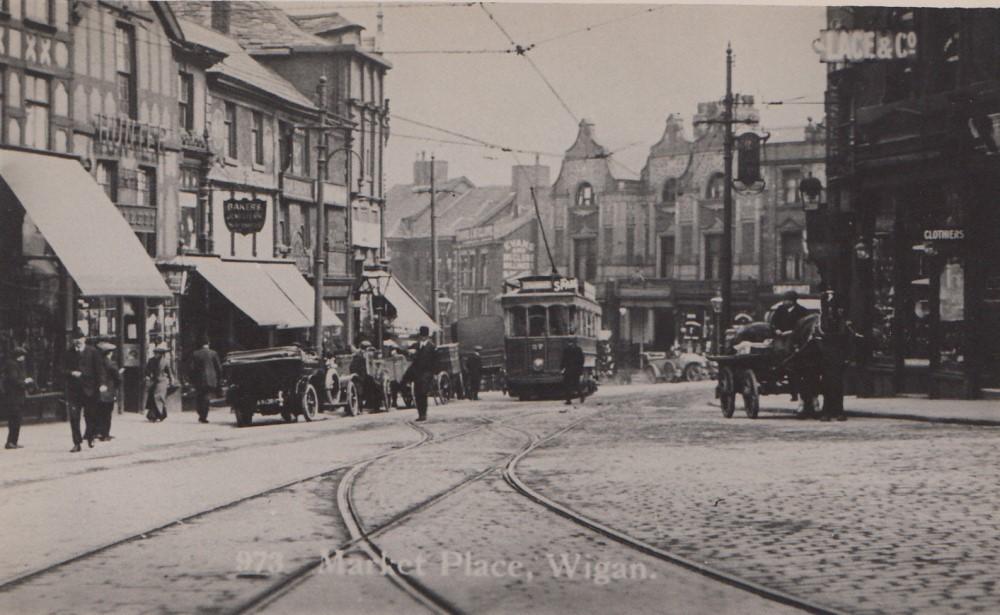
[{"x": 159, "y": 378}]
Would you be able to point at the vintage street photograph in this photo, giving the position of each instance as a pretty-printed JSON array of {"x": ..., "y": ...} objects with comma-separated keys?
[{"x": 408, "y": 306}]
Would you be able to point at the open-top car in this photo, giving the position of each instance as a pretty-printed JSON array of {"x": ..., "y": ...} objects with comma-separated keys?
[{"x": 285, "y": 380}]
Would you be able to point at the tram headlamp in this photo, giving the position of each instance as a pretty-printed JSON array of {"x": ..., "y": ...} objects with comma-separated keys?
[{"x": 538, "y": 364}]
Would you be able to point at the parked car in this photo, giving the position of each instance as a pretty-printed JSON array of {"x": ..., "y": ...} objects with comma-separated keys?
[{"x": 674, "y": 365}]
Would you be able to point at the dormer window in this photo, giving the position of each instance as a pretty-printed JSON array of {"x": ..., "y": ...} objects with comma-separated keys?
[
  {"x": 670, "y": 190},
  {"x": 585, "y": 195},
  {"x": 716, "y": 187}
]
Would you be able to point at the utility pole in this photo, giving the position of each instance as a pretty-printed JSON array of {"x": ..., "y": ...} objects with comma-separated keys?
[
  {"x": 319, "y": 261},
  {"x": 726, "y": 257},
  {"x": 434, "y": 254}
]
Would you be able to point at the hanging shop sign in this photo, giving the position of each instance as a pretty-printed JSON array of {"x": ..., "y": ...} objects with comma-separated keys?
[
  {"x": 864, "y": 45},
  {"x": 943, "y": 240},
  {"x": 245, "y": 216}
]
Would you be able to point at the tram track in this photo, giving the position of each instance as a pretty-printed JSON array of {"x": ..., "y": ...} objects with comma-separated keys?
[{"x": 517, "y": 484}]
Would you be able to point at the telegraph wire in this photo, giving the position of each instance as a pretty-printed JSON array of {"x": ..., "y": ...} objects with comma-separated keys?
[{"x": 597, "y": 25}]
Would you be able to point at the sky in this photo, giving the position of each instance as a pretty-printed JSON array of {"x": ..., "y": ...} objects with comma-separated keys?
[{"x": 625, "y": 76}]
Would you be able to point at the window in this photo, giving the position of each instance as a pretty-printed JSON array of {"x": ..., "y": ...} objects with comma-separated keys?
[
  {"x": 536, "y": 321},
  {"x": 790, "y": 179},
  {"x": 791, "y": 256},
  {"x": 749, "y": 237},
  {"x": 558, "y": 322},
  {"x": 148, "y": 241},
  {"x": 39, "y": 11},
  {"x": 302, "y": 147},
  {"x": 585, "y": 195},
  {"x": 716, "y": 187},
  {"x": 666, "y": 257},
  {"x": 481, "y": 281},
  {"x": 559, "y": 238},
  {"x": 185, "y": 100},
  {"x": 518, "y": 322},
  {"x": 36, "y": 107},
  {"x": 107, "y": 177},
  {"x": 670, "y": 190},
  {"x": 713, "y": 253},
  {"x": 125, "y": 65},
  {"x": 230, "y": 123},
  {"x": 257, "y": 134},
  {"x": 284, "y": 234},
  {"x": 687, "y": 244},
  {"x": 609, "y": 242},
  {"x": 631, "y": 257},
  {"x": 585, "y": 258},
  {"x": 146, "y": 187}
]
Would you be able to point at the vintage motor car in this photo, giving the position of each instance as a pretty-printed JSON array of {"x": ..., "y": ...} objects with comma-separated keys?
[
  {"x": 283, "y": 380},
  {"x": 674, "y": 365}
]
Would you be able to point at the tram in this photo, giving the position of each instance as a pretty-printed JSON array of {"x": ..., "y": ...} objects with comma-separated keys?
[{"x": 542, "y": 313}]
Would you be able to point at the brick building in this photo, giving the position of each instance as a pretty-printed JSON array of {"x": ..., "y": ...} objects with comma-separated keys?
[{"x": 653, "y": 245}]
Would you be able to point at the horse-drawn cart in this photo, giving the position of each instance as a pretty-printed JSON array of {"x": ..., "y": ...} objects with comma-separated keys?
[{"x": 448, "y": 383}]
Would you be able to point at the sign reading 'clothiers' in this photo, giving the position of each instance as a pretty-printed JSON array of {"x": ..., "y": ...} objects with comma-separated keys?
[
  {"x": 865, "y": 45},
  {"x": 245, "y": 216}
]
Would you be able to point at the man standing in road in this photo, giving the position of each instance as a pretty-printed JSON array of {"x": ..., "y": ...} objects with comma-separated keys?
[
  {"x": 206, "y": 376},
  {"x": 15, "y": 384},
  {"x": 474, "y": 368},
  {"x": 359, "y": 368},
  {"x": 572, "y": 369},
  {"x": 85, "y": 368},
  {"x": 421, "y": 370}
]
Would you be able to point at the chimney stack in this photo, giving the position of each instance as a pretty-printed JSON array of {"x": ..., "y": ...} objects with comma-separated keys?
[
  {"x": 523, "y": 178},
  {"x": 422, "y": 171},
  {"x": 221, "y": 10}
]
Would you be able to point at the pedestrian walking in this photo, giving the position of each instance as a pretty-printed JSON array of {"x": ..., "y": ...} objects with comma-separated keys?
[
  {"x": 359, "y": 368},
  {"x": 15, "y": 389},
  {"x": 421, "y": 370},
  {"x": 87, "y": 380},
  {"x": 835, "y": 345},
  {"x": 159, "y": 380},
  {"x": 572, "y": 369},
  {"x": 206, "y": 376},
  {"x": 474, "y": 367},
  {"x": 106, "y": 403}
]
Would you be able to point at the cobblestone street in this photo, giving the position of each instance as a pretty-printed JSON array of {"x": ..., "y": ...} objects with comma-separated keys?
[{"x": 868, "y": 516}]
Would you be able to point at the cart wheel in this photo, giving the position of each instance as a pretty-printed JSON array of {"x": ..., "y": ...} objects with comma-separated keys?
[
  {"x": 751, "y": 393},
  {"x": 445, "y": 387},
  {"x": 694, "y": 372},
  {"x": 726, "y": 391},
  {"x": 353, "y": 401},
  {"x": 650, "y": 375},
  {"x": 310, "y": 402},
  {"x": 386, "y": 394}
]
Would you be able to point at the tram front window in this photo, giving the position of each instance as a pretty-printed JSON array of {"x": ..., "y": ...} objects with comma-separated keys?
[
  {"x": 518, "y": 322},
  {"x": 558, "y": 324},
  {"x": 536, "y": 321}
]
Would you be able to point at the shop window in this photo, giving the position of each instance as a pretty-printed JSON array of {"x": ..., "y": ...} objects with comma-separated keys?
[
  {"x": 716, "y": 187},
  {"x": 792, "y": 256},
  {"x": 537, "y": 321},
  {"x": 790, "y": 179},
  {"x": 185, "y": 100},
  {"x": 585, "y": 195},
  {"x": 230, "y": 123},
  {"x": 713, "y": 256},
  {"x": 125, "y": 67},
  {"x": 162, "y": 328},
  {"x": 257, "y": 136},
  {"x": 666, "y": 256},
  {"x": 37, "y": 111},
  {"x": 883, "y": 313},
  {"x": 952, "y": 313},
  {"x": 107, "y": 178}
]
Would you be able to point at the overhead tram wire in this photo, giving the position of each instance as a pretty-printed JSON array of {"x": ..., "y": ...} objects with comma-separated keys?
[
  {"x": 597, "y": 25},
  {"x": 486, "y": 144}
]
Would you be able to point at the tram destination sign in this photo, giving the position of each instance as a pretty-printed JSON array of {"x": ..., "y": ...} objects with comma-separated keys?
[
  {"x": 245, "y": 216},
  {"x": 835, "y": 46}
]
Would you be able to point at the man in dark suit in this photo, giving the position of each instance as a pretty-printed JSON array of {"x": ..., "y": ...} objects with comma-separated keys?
[
  {"x": 206, "y": 376},
  {"x": 572, "y": 369},
  {"x": 85, "y": 370},
  {"x": 15, "y": 384},
  {"x": 474, "y": 367},
  {"x": 789, "y": 313},
  {"x": 421, "y": 370}
]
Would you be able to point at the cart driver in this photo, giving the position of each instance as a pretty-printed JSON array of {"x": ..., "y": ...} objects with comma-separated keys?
[{"x": 788, "y": 314}]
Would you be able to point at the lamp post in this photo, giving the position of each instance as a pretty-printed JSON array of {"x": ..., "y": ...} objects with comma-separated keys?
[{"x": 717, "y": 302}]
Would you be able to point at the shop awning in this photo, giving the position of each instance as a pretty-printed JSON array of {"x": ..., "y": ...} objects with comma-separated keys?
[
  {"x": 271, "y": 294},
  {"x": 87, "y": 232},
  {"x": 410, "y": 316}
]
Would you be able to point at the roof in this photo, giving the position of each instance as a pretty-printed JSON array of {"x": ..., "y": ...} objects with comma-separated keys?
[
  {"x": 325, "y": 22},
  {"x": 403, "y": 202},
  {"x": 253, "y": 24},
  {"x": 459, "y": 212},
  {"x": 240, "y": 66}
]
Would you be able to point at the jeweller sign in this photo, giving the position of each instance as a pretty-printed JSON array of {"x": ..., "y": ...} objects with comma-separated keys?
[
  {"x": 244, "y": 216},
  {"x": 864, "y": 45}
]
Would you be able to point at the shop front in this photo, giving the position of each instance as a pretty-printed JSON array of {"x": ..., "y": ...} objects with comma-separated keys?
[{"x": 70, "y": 262}]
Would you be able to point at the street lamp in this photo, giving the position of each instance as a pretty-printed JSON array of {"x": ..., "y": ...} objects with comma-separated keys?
[
  {"x": 716, "y": 303},
  {"x": 811, "y": 190}
]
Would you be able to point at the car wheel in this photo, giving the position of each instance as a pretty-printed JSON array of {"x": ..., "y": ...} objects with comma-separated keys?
[
  {"x": 695, "y": 372},
  {"x": 309, "y": 403},
  {"x": 352, "y": 399}
]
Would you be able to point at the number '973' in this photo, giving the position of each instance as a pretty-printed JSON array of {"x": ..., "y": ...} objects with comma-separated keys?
[{"x": 259, "y": 561}]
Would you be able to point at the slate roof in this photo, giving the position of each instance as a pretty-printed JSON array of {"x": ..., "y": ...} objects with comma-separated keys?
[
  {"x": 325, "y": 22},
  {"x": 453, "y": 212},
  {"x": 402, "y": 203},
  {"x": 253, "y": 24},
  {"x": 240, "y": 66}
]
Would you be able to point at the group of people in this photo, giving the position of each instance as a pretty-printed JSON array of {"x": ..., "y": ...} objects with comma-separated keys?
[{"x": 93, "y": 381}]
